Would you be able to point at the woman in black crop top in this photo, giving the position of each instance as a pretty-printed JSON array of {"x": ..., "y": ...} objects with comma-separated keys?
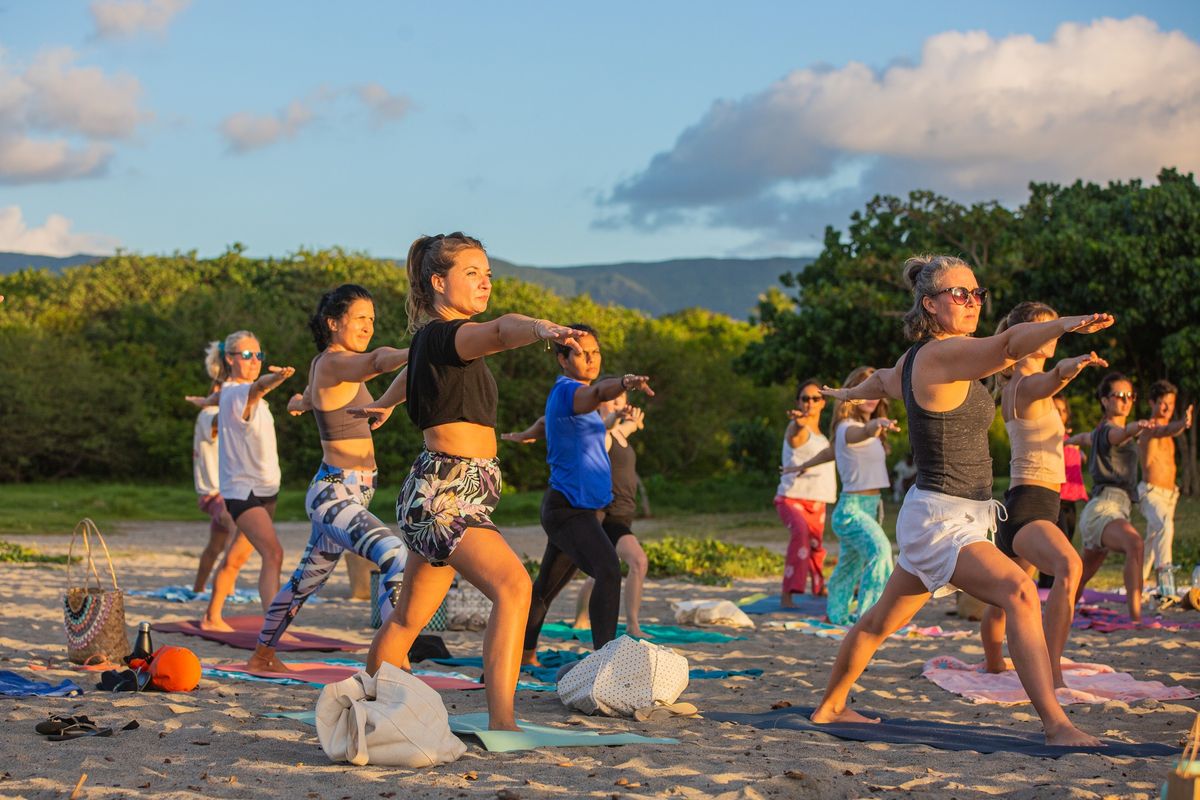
[
  {"x": 445, "y": 506},
  {"x": 340, "y": 494},
  {"x": 944, "y": 523}
]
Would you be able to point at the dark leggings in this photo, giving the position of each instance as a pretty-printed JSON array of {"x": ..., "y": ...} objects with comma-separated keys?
[
  {"x": 1066, "y": 524},
  {"x": 575, "y": 540}
]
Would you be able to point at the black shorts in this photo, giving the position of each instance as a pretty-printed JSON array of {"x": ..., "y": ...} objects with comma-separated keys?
[
  {"x": 616, "y": 527},
  {"x": 1025, "y": 504},
  {"x": 238, "y": 507}
]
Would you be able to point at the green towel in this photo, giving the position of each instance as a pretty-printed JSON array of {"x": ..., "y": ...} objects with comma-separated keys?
[
  {"x": 659, "y": 634},
  {"x": 533, "y": 735}
]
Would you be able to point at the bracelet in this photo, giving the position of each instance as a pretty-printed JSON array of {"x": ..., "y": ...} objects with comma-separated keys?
[{"x": 624, "y": 378}]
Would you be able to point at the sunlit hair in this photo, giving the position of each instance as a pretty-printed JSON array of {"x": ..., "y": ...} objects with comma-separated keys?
[
  {"x": 562, "y": 350},
  {"x": 215, "y": 363},
  {"x": 333, "y": 305},
  {"x": 922, "y": 274},
  {"x": 1160, "y": 389},
  {"x": 429, "y": 256},
  {"x": 844, "y": 409},
  {"x": 1028, "y": 311}
]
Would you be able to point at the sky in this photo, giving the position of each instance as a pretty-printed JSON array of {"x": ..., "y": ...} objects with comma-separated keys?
[{"x": 563, "y": 133}]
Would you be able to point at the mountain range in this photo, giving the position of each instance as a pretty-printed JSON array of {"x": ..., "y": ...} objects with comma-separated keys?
[{"x": 726, "y": 285}]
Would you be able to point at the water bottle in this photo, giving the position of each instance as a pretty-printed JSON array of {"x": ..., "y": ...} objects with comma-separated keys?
[
  {"x": 1166, "y": 580},
  {"x": 1196, "y": 577},
  {"x": 142, "y": 647}
]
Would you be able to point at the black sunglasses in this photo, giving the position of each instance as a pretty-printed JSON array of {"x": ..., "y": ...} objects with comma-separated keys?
[{"x": 959, "y": 294}]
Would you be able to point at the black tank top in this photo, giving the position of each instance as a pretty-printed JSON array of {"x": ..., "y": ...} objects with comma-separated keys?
[
  {"x": 624, "y": 480},
  {"x": 950, "y": 447}
]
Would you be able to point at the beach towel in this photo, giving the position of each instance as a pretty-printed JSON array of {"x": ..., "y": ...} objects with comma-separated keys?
[
  {"x": 659, "y": 634},
  {"x": 940, "y": 735},
  {"x": 1104, "y": 620},
  {"x": 533, "y": 736},
  {"x": 1086, "y": 683},
  {"x": 14, "y": 685},
  {"x": 245, "y": 635},
  {"x": 828, "y": 630},
  {"x": 320, "y": 673},
  {"x": 806, "y": 604},
  {"x": 552, "y": 660},
  {"x": 185, "y": 594},
  {"x": 1091, "y": 596}
]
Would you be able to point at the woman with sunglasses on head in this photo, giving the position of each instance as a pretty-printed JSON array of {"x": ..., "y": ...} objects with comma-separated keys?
[
  {"x": 340, "y": 493},
  {"x": 943, "y": 527},
  {"x": 445, "y": 506},
  {"x": 1030, "y": 535},
  {"x": 249, "y": 466},
  {"x": 806, "y": 485}
]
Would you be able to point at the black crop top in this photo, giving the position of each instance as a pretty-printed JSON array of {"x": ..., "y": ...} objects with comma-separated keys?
[{"x": 441, "y": 386}]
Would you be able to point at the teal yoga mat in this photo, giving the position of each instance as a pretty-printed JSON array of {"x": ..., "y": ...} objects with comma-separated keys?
[{"x": 660, "y": 634}]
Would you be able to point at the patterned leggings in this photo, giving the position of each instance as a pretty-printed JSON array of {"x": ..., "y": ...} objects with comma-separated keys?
[
  {"x": 805, "y": 553},
  {"x": 864, "y": 558},
  {"x": 337, "y": 504}
]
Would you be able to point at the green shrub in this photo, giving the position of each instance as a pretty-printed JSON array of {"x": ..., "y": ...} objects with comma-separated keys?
[
  {"x": 19, "y": 554},
  {"x": 709, "y": 561}
]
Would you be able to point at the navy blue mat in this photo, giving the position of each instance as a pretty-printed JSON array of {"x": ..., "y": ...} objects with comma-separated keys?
[
  {"x": 806, "y": 605},
  {"x": 14, "y": 685},
  {"x": 942, "y": 735}
]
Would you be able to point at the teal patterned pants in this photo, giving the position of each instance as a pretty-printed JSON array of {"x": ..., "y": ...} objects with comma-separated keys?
[{"x": 864, "y": 557}]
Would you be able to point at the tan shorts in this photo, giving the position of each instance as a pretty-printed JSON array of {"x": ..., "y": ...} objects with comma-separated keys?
[{"x": 1106, "y": 505}]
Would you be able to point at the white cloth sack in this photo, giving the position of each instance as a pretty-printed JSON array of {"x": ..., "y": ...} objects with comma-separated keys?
[
  {"x": 624, "y": 676},
  {"x": 711, "y": 612},
  {"x": 392, "y": 719}
]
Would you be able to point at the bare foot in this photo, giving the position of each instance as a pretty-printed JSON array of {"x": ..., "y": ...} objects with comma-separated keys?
[
  {"x": 503, "y": 726},
  {"x": 1067, "y": 735},
  {"x": 264, "y": 659},
  {"x": 582, "y": 624},
  {"x": 528, "y": 659},
  {"x": 823, "y": 716},
  {"x": 356, "y": 599},
  {"x": 218, "y": 624},
  {"x": 785, "y": 600},
  {"x": 636, "y": 633}
]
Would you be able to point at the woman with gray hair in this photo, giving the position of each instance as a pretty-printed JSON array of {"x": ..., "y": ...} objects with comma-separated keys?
[{"x": 943, "y": 528}]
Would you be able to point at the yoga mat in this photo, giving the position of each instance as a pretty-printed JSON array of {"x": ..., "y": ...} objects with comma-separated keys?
[
  {"x": 806, "y": 604},
  {"x": 533, "y": 735},
  {"x": 307, "y": 717},
  {"x": 319, "y": 673},
  {"x": 940, "y": 735},
  {"x": 1091, "y": 596},
  {"x": 661, "y": 634},
  {"x": 1104, "y": 620},
  {"x": 185, "y": 594},
  {"x": 245, "y": 635},
  {"x": 552, "y": 660},
  {"x": 15, "y": 685},
  {"x": 1086, "y": 683},
  {"x": 828, "y": 630}
]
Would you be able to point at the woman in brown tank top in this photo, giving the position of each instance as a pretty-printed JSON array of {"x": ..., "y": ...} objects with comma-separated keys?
[{"x": 943, "y": 542}]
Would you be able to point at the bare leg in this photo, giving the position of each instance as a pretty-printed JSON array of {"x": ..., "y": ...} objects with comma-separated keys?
[
  {"x": 359, "y": 570},
  {"x": 223, "y": 580},
  {"x": 218, "y": 537},
  {"x": 264, "y": 660},
  {"x": 991, "y": 633},
  {"x": 486, "y": 560},
  {"x": 1120, "y": 536},
  {"x": 1092, "y": 561},
  {"x": 1042, "y": 546},
  {"x": 992, "y": 577},
  {"x": 582, "y": 619},
  {"x": 902, "y": 598},
  {"x": 258, "y": 527},
  {"x": 630, "y": 551}
]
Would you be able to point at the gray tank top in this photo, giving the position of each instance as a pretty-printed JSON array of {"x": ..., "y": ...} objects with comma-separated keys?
[
  {"x": 337, "y": 424},
  {"x": 950, "y": 447},
  {"x": 1113, "y": 466}
]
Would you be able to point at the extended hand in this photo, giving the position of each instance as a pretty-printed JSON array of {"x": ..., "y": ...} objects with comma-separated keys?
[
  {"x": 376, "y": 414},
  {"x": 1080, "y": 363},
  {"x": 296, "y": 405},
  {"x": 884, "y": 425},
  {"x": 636, "y": 416},
  {"x": 1090, "y": 323},
  {"x": 1187, "y": 418},
  {"x": 794, "y": 470},
  {"x": 283, "y": 372},
  {"x": 639, "y": 382},
  {"x": 518, "y": 437},
  {"x": 196, "y": 400},
  {"x": 546, "y": 330}
]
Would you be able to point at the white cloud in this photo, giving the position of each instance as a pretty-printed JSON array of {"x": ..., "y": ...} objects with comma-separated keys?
[
  {"x": 245, "y": 131},
  {"x": 384, "y": 106},
  {"x": 975, "y": 117},
  {"x": 53, "y": 238},
  {"x": 119, "y": 18},
  {"x": 81, "y": 107}
]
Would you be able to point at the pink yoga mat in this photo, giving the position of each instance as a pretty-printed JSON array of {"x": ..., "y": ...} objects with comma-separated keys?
[
  {"x": 1086, "y": 683},
  {"x": 321, "y": 674},
  {"x": 245, "y": 635},
  {"x": 1103, "y": 620}
]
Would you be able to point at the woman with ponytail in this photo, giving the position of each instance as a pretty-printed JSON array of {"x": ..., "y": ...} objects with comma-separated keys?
[
  {"x": 206, "y": 478},
  {"x": 249, "y": 465},
  {"x": 445, "y": 506},
  {"x": 1030, "y": 536},
  {"x": 340, "y": 493},
  {"x": 943, "y": 527}
]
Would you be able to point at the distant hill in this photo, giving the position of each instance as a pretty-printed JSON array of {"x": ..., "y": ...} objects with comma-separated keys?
[{"x": 726, "y": 285}]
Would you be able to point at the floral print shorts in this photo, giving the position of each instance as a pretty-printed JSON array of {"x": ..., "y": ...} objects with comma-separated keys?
[{"x": 442, "y": 497}]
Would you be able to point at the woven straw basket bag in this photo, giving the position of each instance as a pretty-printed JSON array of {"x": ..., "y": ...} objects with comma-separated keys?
[{"x": 94, "y": 616}]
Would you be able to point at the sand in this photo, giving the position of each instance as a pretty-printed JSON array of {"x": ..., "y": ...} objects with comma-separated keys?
[{"x": 215, "y": 742}]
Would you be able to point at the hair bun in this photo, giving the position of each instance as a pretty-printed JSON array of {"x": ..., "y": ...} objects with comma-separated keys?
[{"x": 912, "y": 270}]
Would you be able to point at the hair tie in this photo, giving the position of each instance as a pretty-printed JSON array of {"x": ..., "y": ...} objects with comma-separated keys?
[{"x": 221, "y": 347}]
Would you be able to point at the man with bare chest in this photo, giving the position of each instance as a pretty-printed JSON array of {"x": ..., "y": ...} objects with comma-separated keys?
[{"x": 1157, "y": 492}]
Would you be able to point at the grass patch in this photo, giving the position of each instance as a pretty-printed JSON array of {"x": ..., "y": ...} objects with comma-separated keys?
[
  {"x": 709, "y": 561},
  {"x": 11, "y": 553}
]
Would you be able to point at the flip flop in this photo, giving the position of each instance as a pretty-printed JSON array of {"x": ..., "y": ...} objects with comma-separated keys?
[
  {"x": 80, "y": 730},
  {"x": 57, "y": 724}
]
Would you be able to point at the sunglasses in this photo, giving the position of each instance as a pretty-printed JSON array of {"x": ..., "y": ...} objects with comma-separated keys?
[
  {"x": 959, "y": 294},
  {"x": 811, "y": 398},
  {"x": 246, "y": 355},
  {"x": 1123, "y": 395}
]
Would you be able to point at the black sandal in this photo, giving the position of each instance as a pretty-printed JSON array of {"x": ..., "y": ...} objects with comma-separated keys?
[
  {"x": 57, "y": 724},
  {"x": 80, "y": 729}
]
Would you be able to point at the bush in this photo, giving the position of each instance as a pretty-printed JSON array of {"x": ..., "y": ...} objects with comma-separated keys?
[
  {"x": 19, "y": 554},
  {"x": 709, "y": 561}
]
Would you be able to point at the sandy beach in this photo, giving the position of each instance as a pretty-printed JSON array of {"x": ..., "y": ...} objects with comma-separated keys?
[{"x": 215, "y": 742}]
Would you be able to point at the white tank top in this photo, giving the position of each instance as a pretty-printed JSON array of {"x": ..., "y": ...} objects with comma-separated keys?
[
  {"x": 204, "y": 453},
  {"x": 818, "y": 483},
  {"x": 249, "y": 459},
  {"x": 863, "y": 465}
]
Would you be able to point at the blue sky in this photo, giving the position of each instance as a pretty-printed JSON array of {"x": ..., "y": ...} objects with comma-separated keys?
[{"x": 561, "y": 133}]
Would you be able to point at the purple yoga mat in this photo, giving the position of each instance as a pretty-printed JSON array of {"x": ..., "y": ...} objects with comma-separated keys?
[{"x": 245, "y": 636}]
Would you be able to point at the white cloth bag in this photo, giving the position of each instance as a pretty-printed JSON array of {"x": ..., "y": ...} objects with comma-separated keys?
[
  {"x": 711, "y": 612},
  {"x": 624, "y": 676},
  {"x": 392, "y": 719}
]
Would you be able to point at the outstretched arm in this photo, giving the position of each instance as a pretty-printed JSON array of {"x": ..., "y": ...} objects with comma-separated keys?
[
  {"x": 876, "y": 427},
  {"x": 965, "y": 358},
  {"x": 822, "y": 457},
  {"x": 346, "y": 367},
  {"x": 1171, "y": 428},
  {"x": 478, "y": 339},
  {"x": 1043, "y": 385},
  {"x": 300, "y": 402},
  {"x": 265, "y": 383},
  {"x": 880, "y": 384},
  {"x": 528, "y": 436},
  {"x": 213, "y": 399},
  {"x": 588, "y": 398}
]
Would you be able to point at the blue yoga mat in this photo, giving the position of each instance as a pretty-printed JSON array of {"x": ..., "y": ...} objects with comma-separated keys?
[
  {"x": 14, "y": 685},
  {"x": 942, "y": 735},
  {"x": 806, "y": 605},
  {"x": 185, "y": 594}
]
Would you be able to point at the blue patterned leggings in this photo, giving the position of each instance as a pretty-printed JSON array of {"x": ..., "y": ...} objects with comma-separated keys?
[
  {"x": 864, "y": 557},
  {"x": 337, "y": 504}
]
